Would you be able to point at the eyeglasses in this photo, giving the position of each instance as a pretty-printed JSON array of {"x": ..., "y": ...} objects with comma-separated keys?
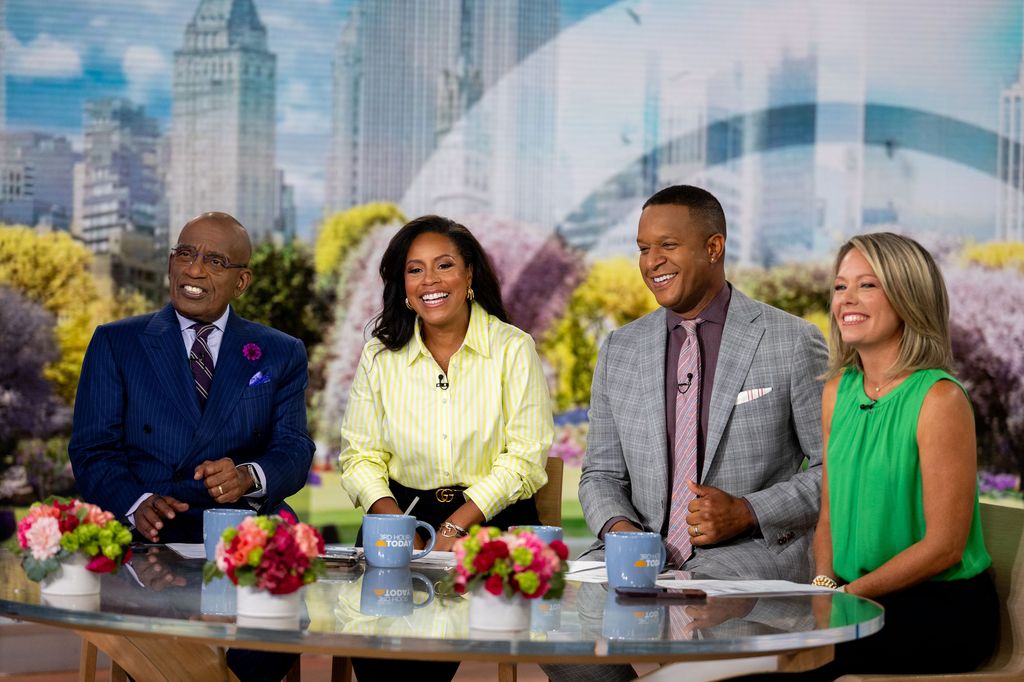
[{"x": 214, "y": 262}]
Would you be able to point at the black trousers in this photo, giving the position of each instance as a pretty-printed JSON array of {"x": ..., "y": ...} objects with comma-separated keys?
[
  {"x": 936, "y": 627},
  {"x": 434, "y": 507}
]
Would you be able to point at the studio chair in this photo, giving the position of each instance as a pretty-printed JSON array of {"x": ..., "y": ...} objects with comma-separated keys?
[{"x": 549, "y": 497}]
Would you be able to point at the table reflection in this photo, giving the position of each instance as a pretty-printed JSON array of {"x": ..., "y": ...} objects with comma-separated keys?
[{"x": 408, "y": 605}]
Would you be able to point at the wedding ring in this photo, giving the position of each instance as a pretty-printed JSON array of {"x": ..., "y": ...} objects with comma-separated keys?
[
  {"x": 696, "y": 530},
  {"x": 220, "y": 490}
]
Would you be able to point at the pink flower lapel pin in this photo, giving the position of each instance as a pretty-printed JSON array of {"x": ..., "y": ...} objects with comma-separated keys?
[{"x": 252, "y": 352}]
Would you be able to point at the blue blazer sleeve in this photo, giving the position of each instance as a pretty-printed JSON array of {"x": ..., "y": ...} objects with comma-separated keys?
[{"x": 98, "y": 458}]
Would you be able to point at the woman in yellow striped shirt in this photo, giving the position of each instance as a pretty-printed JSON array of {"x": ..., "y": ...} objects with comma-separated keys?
[{"x": 449, "y": 403}]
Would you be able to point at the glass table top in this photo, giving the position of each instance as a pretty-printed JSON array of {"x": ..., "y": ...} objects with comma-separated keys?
[{"x": 402, "y": 611}]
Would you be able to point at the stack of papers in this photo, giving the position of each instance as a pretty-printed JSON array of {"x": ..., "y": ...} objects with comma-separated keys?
[{"x": 594, "y": 572}]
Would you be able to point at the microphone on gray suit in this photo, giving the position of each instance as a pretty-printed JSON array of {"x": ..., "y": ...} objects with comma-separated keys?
[{"x": 682, "y": 386}]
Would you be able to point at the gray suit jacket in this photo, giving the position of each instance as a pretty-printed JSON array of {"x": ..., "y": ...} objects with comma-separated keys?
[{"x": 753, "y": 450}]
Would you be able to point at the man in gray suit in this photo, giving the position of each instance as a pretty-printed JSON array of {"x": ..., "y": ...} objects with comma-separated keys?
[
  {"x": 751, "y": 509},
  {"x": 703, "y": 412}
]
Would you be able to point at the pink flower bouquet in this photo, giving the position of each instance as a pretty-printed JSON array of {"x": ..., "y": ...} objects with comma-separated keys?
[
  {"x": 56, "y": 528},
  {"x": 272, "y": 553},
  {"x": 510, "y": 563}
]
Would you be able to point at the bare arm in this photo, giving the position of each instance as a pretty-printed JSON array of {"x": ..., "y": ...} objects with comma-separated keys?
[
  {"x": 948, "y": 455},
  {"x": 823, "y": 531}
]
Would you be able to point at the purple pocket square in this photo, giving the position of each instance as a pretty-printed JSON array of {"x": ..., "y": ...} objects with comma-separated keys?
[{"x": 259, "y": 378}]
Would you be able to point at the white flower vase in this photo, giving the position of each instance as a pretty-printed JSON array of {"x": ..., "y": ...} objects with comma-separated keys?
[
  {"x": 71, "y": 579},
  {"x": 490, "y": 613},
  {"x": 260, "y": 609}
]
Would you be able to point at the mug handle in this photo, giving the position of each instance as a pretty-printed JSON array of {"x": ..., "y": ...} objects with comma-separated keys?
[
  {"x": 430, "y": 589},
  {"x": 430, "y": 545},
  {"x": 664, "y": 557}
]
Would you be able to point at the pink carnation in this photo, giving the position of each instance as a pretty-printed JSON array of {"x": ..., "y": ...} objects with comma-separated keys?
[
  {"x": 98, "y": 516},
  {"x": 43, "y": 538},
  {"x": 309, "y": 541}
]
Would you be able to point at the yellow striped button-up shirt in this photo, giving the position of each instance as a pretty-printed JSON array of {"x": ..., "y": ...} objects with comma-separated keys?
[{"x": 489, "y": 431}]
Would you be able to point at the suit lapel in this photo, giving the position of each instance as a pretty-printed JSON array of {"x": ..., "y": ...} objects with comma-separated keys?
[
  {"x": 166, "y": 352},
  {"x": 652, "y": 394},
  {"x": 740, "y": 338},
  {"x": 229, "y": 379}
]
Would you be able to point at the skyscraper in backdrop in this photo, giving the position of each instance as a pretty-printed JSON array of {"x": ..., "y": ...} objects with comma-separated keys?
[
  {"x": 222, "y": 119},
  {"x": 465, "y": 89},
  {"x": 1010, "y": 160}
]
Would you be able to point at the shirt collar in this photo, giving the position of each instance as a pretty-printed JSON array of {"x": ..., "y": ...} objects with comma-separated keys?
[
  {"x": 220, "y": 323},
  {"x": 714, "y": 312},
  {"x": 477, "y": 337}
]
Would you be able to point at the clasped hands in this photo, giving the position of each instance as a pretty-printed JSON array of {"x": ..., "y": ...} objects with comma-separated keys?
[
  {"x": 223, "y": 482},
  {"x": 714, "y": 516}
]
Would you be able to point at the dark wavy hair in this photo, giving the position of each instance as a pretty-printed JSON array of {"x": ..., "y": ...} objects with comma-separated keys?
[{"x": 396, "y": 323}]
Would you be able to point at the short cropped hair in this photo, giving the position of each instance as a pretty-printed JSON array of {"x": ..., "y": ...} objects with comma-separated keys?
[{"x": 704, "y": 207}]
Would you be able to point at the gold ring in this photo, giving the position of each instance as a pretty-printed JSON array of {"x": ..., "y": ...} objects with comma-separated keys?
[
  {"x": 696, "y": 530},
  {"x": 220, "y": 490}
]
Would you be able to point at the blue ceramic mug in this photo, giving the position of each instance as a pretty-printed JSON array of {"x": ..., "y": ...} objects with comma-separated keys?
[
  {"x": 546, "y": 534},
  {"x": 388, "y": 592},
  {"x": 388, "y": 539},
  {"x": 215, "y": 522},
  {"x": 633, "y": 559}
]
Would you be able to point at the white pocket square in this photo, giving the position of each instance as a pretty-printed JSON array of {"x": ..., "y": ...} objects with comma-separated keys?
[{"x": 752, "y": 394}]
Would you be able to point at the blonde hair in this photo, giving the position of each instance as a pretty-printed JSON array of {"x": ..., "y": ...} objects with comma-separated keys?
[{"x": 916, "y": 290}]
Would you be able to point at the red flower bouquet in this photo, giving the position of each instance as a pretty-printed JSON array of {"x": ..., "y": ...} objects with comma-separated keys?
[
  {"x": 510, "y": 563},
  {"x": 272, "y": 553},
  {"x": 57, "y": 528}
]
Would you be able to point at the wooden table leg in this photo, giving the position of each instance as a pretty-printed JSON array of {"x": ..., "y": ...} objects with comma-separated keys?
[
  {"x": 161, "y": 659},
  {"x": 117, "y": 673},
  {"x": 507, "y": 672},
  {"x": 87, "y": 662},
  {"x": 341, "y": 669}
]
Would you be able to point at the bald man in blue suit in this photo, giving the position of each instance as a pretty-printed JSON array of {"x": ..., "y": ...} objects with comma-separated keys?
[
  {"x": 147, "y": 445},
  {"x": 166, "y": 426}
]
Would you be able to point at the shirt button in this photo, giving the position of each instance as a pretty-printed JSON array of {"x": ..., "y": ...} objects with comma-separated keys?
[
  {"x": 444, "y": 436},
  {"x": 444, "y": 401}
]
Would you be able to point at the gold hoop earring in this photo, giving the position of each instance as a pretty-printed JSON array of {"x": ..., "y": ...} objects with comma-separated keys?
[
  {"x": 407, "y": 303},
  {"x": 470, "y": 296}
]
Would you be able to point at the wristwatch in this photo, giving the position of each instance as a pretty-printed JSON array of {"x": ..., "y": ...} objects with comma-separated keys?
[{"x": 250, "y": 469}]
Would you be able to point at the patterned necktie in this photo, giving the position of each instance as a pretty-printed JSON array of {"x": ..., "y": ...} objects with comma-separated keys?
[
  {"x": 201, "y": 361},
  {"x": 684, "y": 465}
]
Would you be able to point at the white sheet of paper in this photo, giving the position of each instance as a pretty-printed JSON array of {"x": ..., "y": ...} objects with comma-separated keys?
[
  {"x": 436, "y": 560},
  {"x": 189, "y": 550},
  {"x": 716, "y": 588},
  {"x": 592, "y": 572}
]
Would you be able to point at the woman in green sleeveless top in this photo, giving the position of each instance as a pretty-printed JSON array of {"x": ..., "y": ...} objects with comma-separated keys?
[{"x": 899, "y": 516}]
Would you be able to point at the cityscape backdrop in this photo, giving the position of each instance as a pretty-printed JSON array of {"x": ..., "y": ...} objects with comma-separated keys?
[{"x": 542, "y": 125}]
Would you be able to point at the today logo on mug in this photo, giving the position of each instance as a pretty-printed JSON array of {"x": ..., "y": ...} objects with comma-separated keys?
[{"x": 388, "y": 539}]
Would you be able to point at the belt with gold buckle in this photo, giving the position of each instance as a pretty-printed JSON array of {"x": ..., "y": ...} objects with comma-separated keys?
[{"x": 445, "y": 495}]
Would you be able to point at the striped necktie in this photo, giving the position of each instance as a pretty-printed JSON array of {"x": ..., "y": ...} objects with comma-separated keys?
[
  {"x": 200, "y": 359},
  {"x": 684, "y": 453}
]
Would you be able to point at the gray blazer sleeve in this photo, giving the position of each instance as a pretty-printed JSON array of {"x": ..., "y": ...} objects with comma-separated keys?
[
  {"x": 793, "y": 504},
  {"x": 605, "y": 490}
]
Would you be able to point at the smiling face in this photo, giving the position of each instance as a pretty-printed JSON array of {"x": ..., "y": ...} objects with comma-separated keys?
[
  {"x": 681, "y": 267},
  {"x": 437, "y": 280},
  {"x": 196, "y": 292},
  {"x": 862, "y": 311}
]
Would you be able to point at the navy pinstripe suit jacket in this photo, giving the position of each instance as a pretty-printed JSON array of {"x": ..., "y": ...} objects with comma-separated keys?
[{"x": 138, "y": 427}]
